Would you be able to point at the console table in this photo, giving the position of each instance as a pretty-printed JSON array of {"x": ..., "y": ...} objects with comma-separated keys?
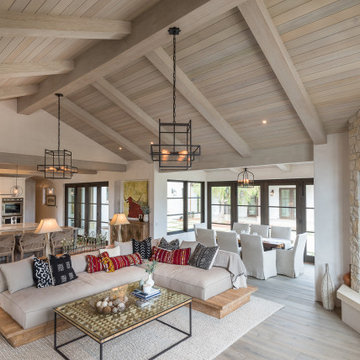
[{"x": 138, "y": 230}]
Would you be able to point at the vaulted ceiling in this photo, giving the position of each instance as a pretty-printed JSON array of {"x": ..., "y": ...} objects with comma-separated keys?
[{"x": 293, "y": 63}]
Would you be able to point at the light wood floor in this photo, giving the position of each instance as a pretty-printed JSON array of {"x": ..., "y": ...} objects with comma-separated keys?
[{"x": 302, "y": 330}]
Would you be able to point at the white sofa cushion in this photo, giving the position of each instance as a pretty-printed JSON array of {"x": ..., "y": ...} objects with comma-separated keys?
[
  {"x": 113, "y": 252},
  {"x": 79, "y": 262}
]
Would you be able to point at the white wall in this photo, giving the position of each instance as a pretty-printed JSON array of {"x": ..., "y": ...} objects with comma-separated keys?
[
  {"x": 332, "y": 217},
  {"x": 31, "y": 134}
]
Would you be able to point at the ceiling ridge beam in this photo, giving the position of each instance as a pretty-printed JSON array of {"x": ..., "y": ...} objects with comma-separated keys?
[
  {"x": 148, "y": 31},
  {"x": 262, "y": 27},
  {"x": 10, "y": 92},
  {"x": 104, "y": 129},
  {"x": 68, "y": 27},
  {"x": 15, "y": 70},
  {"x": 162, "y": 61}
]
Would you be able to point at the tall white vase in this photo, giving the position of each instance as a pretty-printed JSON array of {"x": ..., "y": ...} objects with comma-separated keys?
[{"x": 327, "y": 290}]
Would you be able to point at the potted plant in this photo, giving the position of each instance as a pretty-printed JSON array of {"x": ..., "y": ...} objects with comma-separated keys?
[
  {"x": 146, "y": 211},
  {"x": 149, "y": 283}
]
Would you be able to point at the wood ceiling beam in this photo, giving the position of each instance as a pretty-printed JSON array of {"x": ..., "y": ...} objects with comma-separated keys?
[
  {"x": 16, "y": 70},
  {"x": 149, "y": 31},
  {"x": 10, "y": 92},
  {"x": 283, "y": 167},
  {"x": 69, "y": 27},
  {"x": 104, "y": 129},
  {"x": 161, "y": 60},
  {"x": 261, "y": 25}
]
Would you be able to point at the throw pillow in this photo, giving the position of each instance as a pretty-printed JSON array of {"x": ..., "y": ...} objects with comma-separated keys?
[
  {"x": 94, "y": 263},
  {"x": 204, "y": 257},
  {"x": 42, "y": 273},
  {"x": 61, "y": 269},
  {"x": 142, "y": 247},
  {"x": 115, "y": 263},
  {"x": 172, "y": 245},
  {"x": 114, "y": 251},
  {"x": 19, "y": 274},
  {"x": 175, "y": 257}
]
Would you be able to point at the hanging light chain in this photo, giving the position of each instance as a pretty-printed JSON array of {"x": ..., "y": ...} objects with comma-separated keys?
[
  {"x": 174, "y": 76},
  {"x": 58, "y": 95}
]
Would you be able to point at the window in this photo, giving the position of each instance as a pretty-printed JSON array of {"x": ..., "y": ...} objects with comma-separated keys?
[
  {"x": 185, "y": 205},
  {"x": 220, "y": 210},
  {"x": 87, "y": 207},
  {"x": 249, "y": 205},
  {"x": 310, "y": 216}
]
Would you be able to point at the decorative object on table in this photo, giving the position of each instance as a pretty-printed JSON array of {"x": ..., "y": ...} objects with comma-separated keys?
[
  {"x": 16, "y": 190},
  {"x": 142, "y": 247},
  {"x": 46, "y": 227},
  {"x": 58, "y": 163},
  {"x": 135, "y": 196},
  {"x": 146, "y": 211},
  {"x": 175, "y": 149},
  {"x": 172, "y": 245},
  {"x": 118, "y": 220},
  {"x": 347, "y": 277},
  {"x": 327, "y": 290},
  {"x": 41, "y": 273},
  {"x": 61, "y": 269},
  {"x": 246, "y": 179},
  {"x": 204, "y": 257},
  {"x": 50, "y": 200},
  {"x": 152, "y": 293},
  {"x": 149, "y": 283},
  {"x": 112, "y": 304},
  {"x": 141, "y": 217}
]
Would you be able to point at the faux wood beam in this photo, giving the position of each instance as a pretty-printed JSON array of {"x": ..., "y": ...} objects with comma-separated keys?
[
  {"x": 261, "y": 25},
  {"x": 104, "y": 129},
  {"x": 10, "y": 92},
  {"x": 149, "y": 31},
  {"x": 161, "y": 60},
  {"x": 16, "y": 70},
  {"x": 283, "y": 167},
  {"x": 31, "y": 161},
  {"x": 70, "y": 27}
]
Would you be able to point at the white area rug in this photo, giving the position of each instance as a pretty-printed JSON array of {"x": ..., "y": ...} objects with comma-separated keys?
[{"x": 210, "y": 337}]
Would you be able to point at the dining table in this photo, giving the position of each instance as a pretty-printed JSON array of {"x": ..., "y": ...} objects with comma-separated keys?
[{"x": 273, "y": 243}]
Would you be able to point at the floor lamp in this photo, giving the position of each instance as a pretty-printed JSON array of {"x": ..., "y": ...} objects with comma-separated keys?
[
  {"x": 118, "y": 220},
  {"x": 46, "y": 227}
]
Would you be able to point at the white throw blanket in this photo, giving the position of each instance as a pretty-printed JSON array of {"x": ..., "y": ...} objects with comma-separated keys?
[{"x": 233, "y": 263}]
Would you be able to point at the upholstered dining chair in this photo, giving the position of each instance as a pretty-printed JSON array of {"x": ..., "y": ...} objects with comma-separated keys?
[
  {"x": 32, "y": 243},
  {"x": 206, "y": 237},
  {"x": 262, "y": 230},
  {"x": 291, "y": 262},
  {"x": 259, "y": 263},
  {"x": 57, "y": 238},
  {"x": 7, "y": 247},
  {"x": 228, "y": 241},
  {"x": 199, "y": 226},
  {"x": 241, "y": 228},
  {"x": 281, "y": 232}
]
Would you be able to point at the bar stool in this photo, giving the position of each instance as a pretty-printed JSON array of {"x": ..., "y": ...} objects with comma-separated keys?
[
  {"x": 32, "y": 243},
  {"x": 7, "y": 247}
]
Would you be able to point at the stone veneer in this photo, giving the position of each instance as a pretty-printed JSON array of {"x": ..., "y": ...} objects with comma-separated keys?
[{"x": 354, "y": 149}]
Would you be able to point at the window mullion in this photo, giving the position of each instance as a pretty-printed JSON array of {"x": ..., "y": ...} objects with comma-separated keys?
[{"x": 185, "y": 206}]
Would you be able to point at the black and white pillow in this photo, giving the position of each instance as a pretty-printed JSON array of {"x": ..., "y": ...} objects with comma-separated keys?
[
  {"x": 203, "y": 257},
  {"x": 41, "y": 273},
  {"x": 61, "y": 269},
  {"x": 172, "y": 245},
  {"x": 142, "y": 247}
]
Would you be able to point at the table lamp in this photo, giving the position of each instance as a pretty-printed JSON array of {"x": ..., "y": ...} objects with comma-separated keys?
[
  {"x": 119, "y": 219},
  {"x": 46, "y": 227}
]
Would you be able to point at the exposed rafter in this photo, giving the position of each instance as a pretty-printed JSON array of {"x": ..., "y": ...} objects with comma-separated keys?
[
  {"x": 10, "y": 92},
  {"x": 71, "y": 27},
  {"x": 161, "y": 60},
  {"x": 15, "y": 70},
  {"x": 149, "y": 31},
  {"x": 104, "y": 129},
  {"x": 261, "y": 25}
]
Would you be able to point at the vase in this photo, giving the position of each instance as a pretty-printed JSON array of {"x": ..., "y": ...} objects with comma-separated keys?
[
  {"x": 148, "y": 284},
  {"x": 146, "y": 217},
  {"x": 327, "y": 290}
]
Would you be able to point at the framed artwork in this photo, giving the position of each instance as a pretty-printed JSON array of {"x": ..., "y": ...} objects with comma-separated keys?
[
  {"x": 135, "y": 196},
  {"x": 51, "y": 200}
]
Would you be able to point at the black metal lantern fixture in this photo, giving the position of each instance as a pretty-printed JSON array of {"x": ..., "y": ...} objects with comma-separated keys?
[
  {"x": 175, "y": 150},
  {"x": 246, "y": 179},
  {"x": 58, "y": 163}
]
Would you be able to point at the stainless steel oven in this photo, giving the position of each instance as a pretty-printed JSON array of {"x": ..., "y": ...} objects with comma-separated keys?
[{"x": 12, "y": 207}]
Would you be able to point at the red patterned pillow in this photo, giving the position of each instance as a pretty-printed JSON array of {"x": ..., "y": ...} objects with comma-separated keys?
[
  {"x": 175, "y": 257},
  {"x": 94, "y": 263},
  {"x": 115, "y": 263}
]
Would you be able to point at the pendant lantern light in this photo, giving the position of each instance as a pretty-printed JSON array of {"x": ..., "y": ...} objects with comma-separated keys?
[
  {"x": 58, "y": 163},
  {"x": 16, "y": 190},
  {"x": 179, "y": 152},
  {"x": 246, "y": 179}
]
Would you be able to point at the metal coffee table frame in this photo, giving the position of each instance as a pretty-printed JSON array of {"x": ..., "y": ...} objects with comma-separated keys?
[{"x": 157, "y": 318}]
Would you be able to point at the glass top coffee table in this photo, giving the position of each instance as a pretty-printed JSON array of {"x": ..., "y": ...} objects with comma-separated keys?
[{"x": 102, "y": 328}]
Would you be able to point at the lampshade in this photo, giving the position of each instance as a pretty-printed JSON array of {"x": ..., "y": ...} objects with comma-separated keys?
[
  {"x": 119, "y": 219},
  {"x": 47, "y": 226}
]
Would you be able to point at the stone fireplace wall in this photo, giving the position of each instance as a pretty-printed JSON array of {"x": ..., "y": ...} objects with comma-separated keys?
[{"x": 354, "y": 149}]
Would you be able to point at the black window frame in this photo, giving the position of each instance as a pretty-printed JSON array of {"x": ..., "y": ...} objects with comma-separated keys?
[{"x": 185, "y": 199}]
